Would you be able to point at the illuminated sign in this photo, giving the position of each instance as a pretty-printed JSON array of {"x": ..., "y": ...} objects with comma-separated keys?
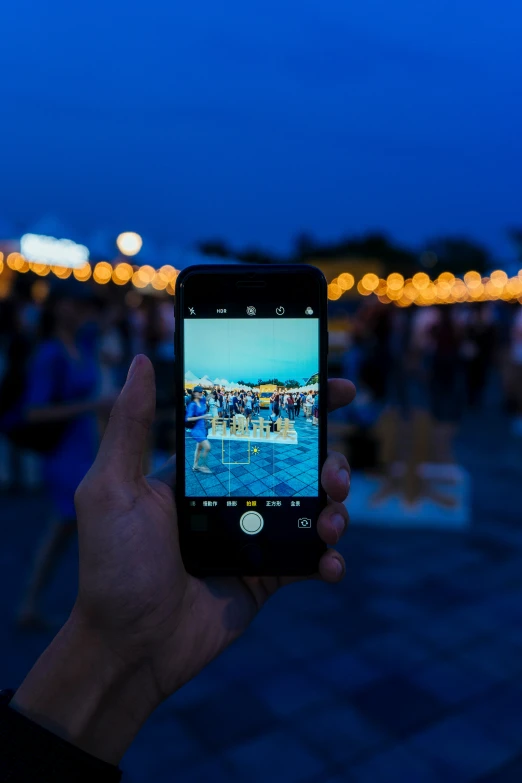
[{"x": 57, "y": 252}]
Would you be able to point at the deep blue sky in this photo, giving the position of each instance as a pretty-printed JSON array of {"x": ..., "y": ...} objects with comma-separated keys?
[
  {"x": 253, "y": 121},
  {"x": 247, "y": 349}
]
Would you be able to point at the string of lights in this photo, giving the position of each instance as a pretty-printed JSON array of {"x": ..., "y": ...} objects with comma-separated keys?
[
  {"x": 422, "y": 290},
  {"x": 103, "y": 272},
  {"x": 418, "y": 290}
]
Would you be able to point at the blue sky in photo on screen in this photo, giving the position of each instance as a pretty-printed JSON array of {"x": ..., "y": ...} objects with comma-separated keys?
[{"x": 246, "y": 349}]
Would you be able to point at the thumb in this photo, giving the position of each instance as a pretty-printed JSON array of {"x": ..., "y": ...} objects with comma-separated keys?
[{"x": 125, "y": 439}]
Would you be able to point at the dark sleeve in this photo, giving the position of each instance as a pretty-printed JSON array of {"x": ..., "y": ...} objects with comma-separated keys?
[{"x": 31, "y": 754}]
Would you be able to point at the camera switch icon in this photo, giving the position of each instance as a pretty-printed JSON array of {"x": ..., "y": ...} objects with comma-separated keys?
[{"x": 304, "y": 522}]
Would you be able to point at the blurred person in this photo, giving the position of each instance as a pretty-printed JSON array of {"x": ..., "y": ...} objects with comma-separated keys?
[
  {"x": 514, "y": 373},
  {"x": 197, "y": 413},
  {"x": 309, "y": 403},
  {"x": 141, "y": 626},
  {"x": 276, "y": 407},
  {"x": 62, "y": 397},
  {"x": 19, "y": 468},
  {"x": 445, "y": 382},
  {"x": 249, "y": 403},
  {"x": 478, "y": 345},
  {"x": 111, "y": 352},
  {"x": 315, "y": 409},
  {"x": 114, "y": 348},
  {"x": 213, "y": 405},
  {"x": 297, "y": 403},
  {"x": 290, "y": 407}
]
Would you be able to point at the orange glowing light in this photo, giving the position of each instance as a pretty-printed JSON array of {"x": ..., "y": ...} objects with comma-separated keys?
[
  {"x": 159, "y": 282},
  {"x": 83, "y": 273},
  {"x": 122, "y": 273},
  {"x": 40, "y": 269},
  {"x": 446, "y": 278},
  {"x": 346, "y": 281},
  {"x": 334, "y": 291},
  {"x": 395, "y": 281},
  {"x": 421, "y": 281},
  {"x": 102, "y": 272},
  {"x": 499, "y": 278},
  {"x": 472, "y": 279},
  {"x": 370, "y": 282},
  {"x": 362, "y": 290},
  {"x": 62, "y": 272}
]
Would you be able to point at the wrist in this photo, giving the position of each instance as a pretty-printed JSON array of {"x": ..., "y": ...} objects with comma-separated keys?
[{"x": 84, "y": 693}]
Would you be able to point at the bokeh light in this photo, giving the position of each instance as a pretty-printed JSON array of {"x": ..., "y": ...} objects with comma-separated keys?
[
  {"x": 346, "y": 281},
  {"x": 395, "y": 281},
  {"x": 102, "y": 272},
  {"x": 129, "y": 243},
  {"x": 362, "y": 288},
  {"x": 62, "y": 272},
  {"x": 370, "y": 282},
  {"x": 122, "y": 273},
  {"x": 334, "y": 291},
  {"x": 472, "y": 279},
  {"x": 499, "y": 278},
  {"x": 83, "y": 273},
  {"x": 40, "y": 269},
  {"x": 420, "y": 281}
]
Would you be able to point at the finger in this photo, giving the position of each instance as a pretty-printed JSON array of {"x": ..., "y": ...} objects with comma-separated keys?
[
  {"x": 125, "y": 439},
  {"x": 340, "y": 393},
  {"x": 332, "y": 567},
  {"x": 332, "y": 522},
  {"x": 335, "y": 476}
]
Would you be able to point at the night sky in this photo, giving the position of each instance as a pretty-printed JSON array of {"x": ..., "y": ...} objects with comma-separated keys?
[{"x": 254, "y": 121}]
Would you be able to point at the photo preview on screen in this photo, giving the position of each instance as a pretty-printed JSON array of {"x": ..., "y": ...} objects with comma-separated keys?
[{"x": 252, "y": 408}]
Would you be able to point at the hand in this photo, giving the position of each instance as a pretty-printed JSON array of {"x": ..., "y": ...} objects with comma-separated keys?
[{"x": 156, "y": 625}]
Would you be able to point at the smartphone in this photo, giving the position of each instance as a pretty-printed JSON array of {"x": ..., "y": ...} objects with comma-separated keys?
[{"x": 251, "y": 372}]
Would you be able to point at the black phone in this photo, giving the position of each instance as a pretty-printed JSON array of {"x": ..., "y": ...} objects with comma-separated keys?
[{"x": 251, "y": 373}]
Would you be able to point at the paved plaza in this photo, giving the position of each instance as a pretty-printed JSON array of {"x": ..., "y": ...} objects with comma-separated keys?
[
  {"x": 257, "y": 469},
  {"x": 410, "y": 671}
]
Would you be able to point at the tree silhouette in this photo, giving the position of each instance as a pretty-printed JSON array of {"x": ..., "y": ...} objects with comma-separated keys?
[
  {"x": 370, "y": 246},
  {"x": 458, "y": 255},
  {"x": 515, "y": 234},
  {"x": 215, "y": 247}
]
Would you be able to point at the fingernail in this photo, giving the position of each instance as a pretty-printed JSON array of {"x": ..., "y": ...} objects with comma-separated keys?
[
  {"x": 337, "y": 568},
  {"x": 132, "y": 368},
  {"x": 345, "y": 478},
  {"x": 339, "y": 524}
]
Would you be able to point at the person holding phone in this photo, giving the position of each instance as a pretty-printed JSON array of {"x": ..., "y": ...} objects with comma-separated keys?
[
  {"x": 141, "y": 626},
  {"x": 197, "y": 413}
]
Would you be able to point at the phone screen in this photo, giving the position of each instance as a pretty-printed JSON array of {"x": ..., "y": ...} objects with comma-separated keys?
[{"x": 252, "y": 416}]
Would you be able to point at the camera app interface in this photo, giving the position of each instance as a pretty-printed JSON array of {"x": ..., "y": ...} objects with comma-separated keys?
[{"x": 252, "y": 402}]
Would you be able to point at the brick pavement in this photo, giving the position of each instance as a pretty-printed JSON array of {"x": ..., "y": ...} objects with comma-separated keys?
[
  {"x": 277, "y": 470},
  {"x": 409, "y": 671}
]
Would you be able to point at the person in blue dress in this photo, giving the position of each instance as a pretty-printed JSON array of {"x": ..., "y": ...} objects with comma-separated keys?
[
  {"x": 62, "y": 387},
  {"x": 197, "y": 412}
]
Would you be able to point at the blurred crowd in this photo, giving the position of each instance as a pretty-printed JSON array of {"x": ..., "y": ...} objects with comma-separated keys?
[
  {"x": 444, "y": 361},
  {"x": 64, "y": 360}
]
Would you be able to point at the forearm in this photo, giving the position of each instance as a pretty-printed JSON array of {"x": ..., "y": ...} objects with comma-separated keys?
[{"x": 83, "y": 693}]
